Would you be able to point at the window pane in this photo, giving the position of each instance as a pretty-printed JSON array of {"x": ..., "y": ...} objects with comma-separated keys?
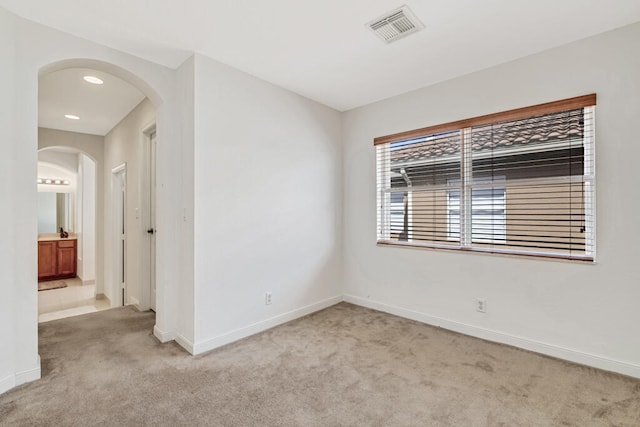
[
  {"x": 419, "y": 174},
  {"x": 542, "y": 160},
  {"x": 487, "y": 215},
  {"x": 397, "y": 214},
  {"x": 431, "y": 221},
  {"x": 537, "y": 147},
  {"x": 431, "y": 160}
]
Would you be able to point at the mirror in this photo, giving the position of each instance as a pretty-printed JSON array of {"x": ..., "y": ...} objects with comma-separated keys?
[{"x": 55, "y": 210}]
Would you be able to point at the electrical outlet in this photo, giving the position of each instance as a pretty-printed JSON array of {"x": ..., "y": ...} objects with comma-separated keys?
[
  {"x": 481, "y": 305},
  {"x": 267, "y": 298}
]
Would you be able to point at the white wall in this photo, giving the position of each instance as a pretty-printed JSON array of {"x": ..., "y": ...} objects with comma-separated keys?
[
  {"x": 268, "y": 204},
  {"x": 66, "y": 160},
  {"x": 92, "y": 145},
  {"x": 87, "y": 212},
  {"x": 8, "y": 141},
  {"x": 124, "y": 144},
  {"x": 583, "y": 312},
  {"x": 23, "y": 225},
  {"x": 185, "y": 97}
]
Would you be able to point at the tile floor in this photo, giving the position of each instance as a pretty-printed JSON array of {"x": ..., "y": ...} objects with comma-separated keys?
[{"x": 73, "y": 300}]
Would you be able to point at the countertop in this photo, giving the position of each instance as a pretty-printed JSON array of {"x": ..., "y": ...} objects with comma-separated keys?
[{"x": 54, "y": 236}]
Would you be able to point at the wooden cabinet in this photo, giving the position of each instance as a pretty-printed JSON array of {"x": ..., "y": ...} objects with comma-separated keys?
[
  {"x": 47, "y": 259},
  {"x": 57, "y": 259}
]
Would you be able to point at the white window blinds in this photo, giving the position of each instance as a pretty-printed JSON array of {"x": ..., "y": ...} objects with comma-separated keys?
[{"x": 517, "y": 182}]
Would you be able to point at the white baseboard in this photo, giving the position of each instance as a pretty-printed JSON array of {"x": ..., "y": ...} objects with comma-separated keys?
[
  {"x": 20, "y": 378},
  {"x": 7, "y": 383},
  {"x": 576, "y": 356},
  {"x": 185, "y": 343},
  {"x": 162, "y": 335},
  {"x": 29, "y": 375},
  {"x": 235, "y": 335},
  {"x": 136, "y": 304}
]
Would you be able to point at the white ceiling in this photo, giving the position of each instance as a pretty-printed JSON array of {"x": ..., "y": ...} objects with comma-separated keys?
[
  {"x": 321, "y": 48},
  {"x": 100, "y": 107}
]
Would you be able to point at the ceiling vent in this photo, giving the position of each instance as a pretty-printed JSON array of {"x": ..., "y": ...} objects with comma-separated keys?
[{"x": 396, "y": 24}]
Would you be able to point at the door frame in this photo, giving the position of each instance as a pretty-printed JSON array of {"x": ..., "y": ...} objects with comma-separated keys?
[
  {"x": 119, "y": 222},
  {"x": 147, "y": 270}
]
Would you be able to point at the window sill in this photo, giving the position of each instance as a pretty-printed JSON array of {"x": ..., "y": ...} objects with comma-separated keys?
[{"x": 493, "y": 251}]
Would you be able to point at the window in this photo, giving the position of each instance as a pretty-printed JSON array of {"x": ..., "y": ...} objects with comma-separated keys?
[
  {"x": 518, "y": 182},
  {"x": 488, "y": 215}
]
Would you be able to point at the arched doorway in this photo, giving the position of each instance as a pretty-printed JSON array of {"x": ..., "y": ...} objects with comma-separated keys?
[
  {"x": 119, "y": 274},
  {"x": 52, "y": 50}
]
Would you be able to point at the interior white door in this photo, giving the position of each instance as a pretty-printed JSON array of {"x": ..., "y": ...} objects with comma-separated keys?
[{"x": 152, "y": 220}]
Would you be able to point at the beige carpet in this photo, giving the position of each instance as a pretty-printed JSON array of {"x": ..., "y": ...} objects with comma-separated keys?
[
  {"x": 344, "y": 366},
  {"x": 54, "y": 284}
]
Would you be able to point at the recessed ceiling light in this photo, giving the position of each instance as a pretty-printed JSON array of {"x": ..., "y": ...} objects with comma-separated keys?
[
  {"x": 48, "y": 181},
  {"x": 72, "y": 117},
  {"x": 93, "y": 79}
]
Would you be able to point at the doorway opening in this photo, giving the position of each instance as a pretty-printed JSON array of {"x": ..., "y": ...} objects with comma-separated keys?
[
  {"x": 67, "y": 206},
  {"x": 110, "y": 123}
]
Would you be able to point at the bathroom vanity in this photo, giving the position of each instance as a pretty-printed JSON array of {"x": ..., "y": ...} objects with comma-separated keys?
[{"x": 57, "y": 258}]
